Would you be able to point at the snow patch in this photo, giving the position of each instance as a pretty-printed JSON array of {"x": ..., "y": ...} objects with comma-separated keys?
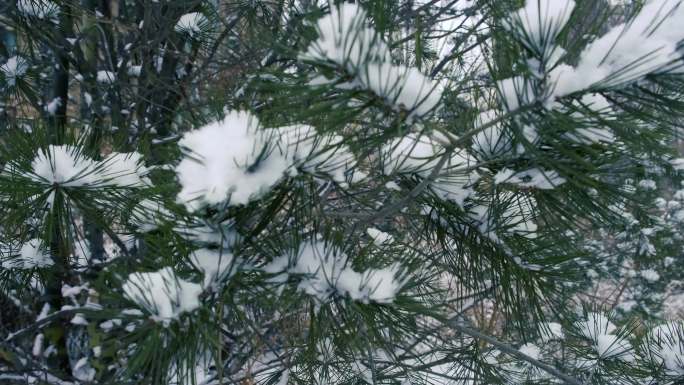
[
  {"x": 13, "y": 69},
  {"x": 345, "y": 39},
  {"x": 41, "y": 9},
  {"x": 191, "y": 23},
  {"x": 230, "y": 159},
  {"x": 324, "y": 272},
  {"x": 33, "y": 254},
  {"x": 379, "y": 238},
  {"x": 105, "y": 77},
  {"x": 162, "y": 294}
]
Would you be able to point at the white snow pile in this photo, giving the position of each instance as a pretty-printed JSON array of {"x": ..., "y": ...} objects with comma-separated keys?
[
  {"x": 162, "y": 294},
  {"x": 650, "y": 275},
  {"x": 644, "y": 45},
  {"x": 65, "y": 166},
  {"x": 83, "y": 371},
  {"x": 413, "y": 153},
  {"x": 53, "y": 105},
  {"x": 345, "y": 39},
  {"x": 13, "y": 69},
  {"x": 313, "y": 153},
  {"x": 324, "y": 272},
  {"x": 229, "y": 159},
  {"x": 552, "y": 331},
  {"x": 402, "y": 87},
  {"x": 191, "y": 23},
  {"x": 516, "y": 92},
  {"x": 33, "y": 254},
  {"x": 531, "y": 350},
  {"x": 493, "y": 140},
  {"x": 540, "y": 22},
  {"x": 41, "y": 9},
  {"x": 123, "y": 169},
  {"x": 105, "y": 77},
  {"x": 380, "y": 238},
  {"x": 598, "y": 328},
  {"x": 421, "y": 155},
  {"x": 216, "y": 265},
  {"x": 236, "y": 160},
  {"x": 666, "y": 343},
  {"x": 134, "y": 70}
]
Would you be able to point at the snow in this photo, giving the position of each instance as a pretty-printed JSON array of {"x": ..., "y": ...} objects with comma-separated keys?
[
  {"x": 110, "y": 324},
  {"x": 627, "y": 52},
  {"x": 601, "y": 331},
  {"x": 83, "y": 371},
  {"x": 79, "y": 319},
  {"x": 516, "y": 92},
  {"x": 534, "y": 177},
  {"x": 230, "y": 159},
  {"x": 405, "y": 88},
  {"x": 33, "y": 254},
  {"x": 420, "y": 155},
  {"x": 53, "y": 105},
  {"x": 324, "y": 272},
  {"x": 105, "y": 77},
  {"x": 41, "y": 9},
  {"x": 132, "y": 312},
  {"x": 62, "y": 165},
  {"x": 413, "y": 153},
  {"x": 38, "y": 345},
  {"x": 666, "y": 341},
  {"x": 492, "y": 140},
  {"x": 610, "y": 346},
  {"x": 650, "y": 275},
  {"x": 596, "y": 324},
  {"x": 123, "y": 170},
  {"x": 379, "y": 238},
  {"x": 516, "y": 216},
  {"x": 87, "y": 98},
  {"x": 552, "y": 331},
  {"x": 345, "y": 40},
  {"x": 677, "y": 164},
  {"x": 71, "y": 291},
  {"x": 191, "y": 23},
  {"x": 236, "y": 160},
  {"x": 591, "y": 135},
  {"x": 134, "y": 70},
  {"x": 314, "y": 153},
  {"x": 531, "y": 350},
  {"x": 44, "y": 311},
  {"x": 13, "y": 69},
  {"x": 216, "y": 265},
  {"x": 66, "y": 166},
  {"x": 596, "y": 103},
  {"x": 162, "y": 294},
  {"x": 648, "y": 184},
  {"x": 540, "y": 22},
  {"x": 148, "y": 214}
]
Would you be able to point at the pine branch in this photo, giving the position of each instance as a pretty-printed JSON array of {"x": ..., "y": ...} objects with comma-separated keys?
[{"x": 513, "y": 352}]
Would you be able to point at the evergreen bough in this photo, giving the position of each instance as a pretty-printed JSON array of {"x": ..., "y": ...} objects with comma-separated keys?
[{"x": 313, "y": 192}]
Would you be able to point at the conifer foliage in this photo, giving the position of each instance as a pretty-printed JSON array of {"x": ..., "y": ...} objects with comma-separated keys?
[{"x": 340, "y": 192}]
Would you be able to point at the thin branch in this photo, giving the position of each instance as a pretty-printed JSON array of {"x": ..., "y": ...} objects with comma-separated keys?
[{"x": 514, "y": 352}]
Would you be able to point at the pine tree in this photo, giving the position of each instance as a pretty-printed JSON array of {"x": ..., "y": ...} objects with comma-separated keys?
[{"x": 314, "y": 192}]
